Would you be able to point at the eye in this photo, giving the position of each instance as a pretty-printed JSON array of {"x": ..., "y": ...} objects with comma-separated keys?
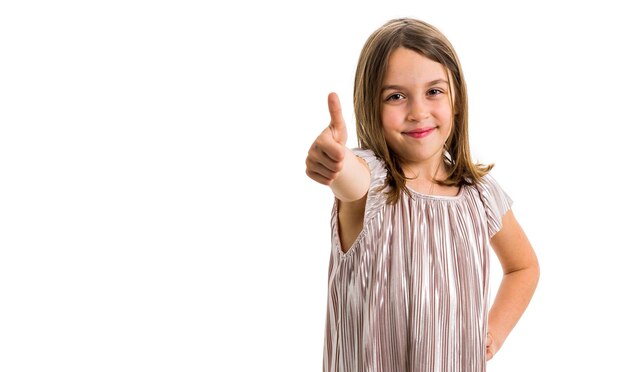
[
  {"x": 434, "y": 92},
  {"x": 394, "y": 97}
]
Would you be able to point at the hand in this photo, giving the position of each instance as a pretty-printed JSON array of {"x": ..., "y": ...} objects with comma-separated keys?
[
  {"x": 325, "y": 158},
  {"x": 492, "y": 346}
]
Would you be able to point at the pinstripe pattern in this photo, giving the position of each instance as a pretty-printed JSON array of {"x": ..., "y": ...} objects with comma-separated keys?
[{"x": 411, "y": 294}]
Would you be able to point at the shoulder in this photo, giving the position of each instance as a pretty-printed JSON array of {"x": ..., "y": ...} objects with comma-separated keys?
[
  {"x": 366, "y": 154},
  {"x": 375, "y": 164},
  {"x": 488, "y": 186},
  {"x": 377, "y": 192},
  {"x": 495, "y": 200},
  {"x": 487, "y": 182}
]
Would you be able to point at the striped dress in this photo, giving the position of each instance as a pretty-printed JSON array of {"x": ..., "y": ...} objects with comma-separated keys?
[{"x": 411, "y": 294}]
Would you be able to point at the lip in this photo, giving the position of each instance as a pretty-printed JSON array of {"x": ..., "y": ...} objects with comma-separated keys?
[{"x": 420, "y": 133}]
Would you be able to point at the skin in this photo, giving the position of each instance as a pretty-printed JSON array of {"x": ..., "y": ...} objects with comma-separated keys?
[
  {"x": 417, "y": 117},
  {"x": 415, "y": 97}
]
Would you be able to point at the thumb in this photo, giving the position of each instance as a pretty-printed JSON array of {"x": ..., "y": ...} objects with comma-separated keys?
[{"x": 337, "y": 124}]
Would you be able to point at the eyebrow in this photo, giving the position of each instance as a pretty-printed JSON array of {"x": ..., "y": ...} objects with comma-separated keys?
[{"x": 400, "y": 87}]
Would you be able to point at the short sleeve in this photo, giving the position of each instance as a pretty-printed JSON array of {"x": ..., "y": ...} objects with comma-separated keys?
[
  {"x": 496, "y": 203},
  {"x": 376, "y": 195}
]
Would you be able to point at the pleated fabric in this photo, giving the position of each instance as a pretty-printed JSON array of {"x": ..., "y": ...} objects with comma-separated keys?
[{"x": 412, "y": 294}]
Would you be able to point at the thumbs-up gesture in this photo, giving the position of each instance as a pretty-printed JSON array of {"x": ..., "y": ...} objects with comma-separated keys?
[{"x": 327, "y": 153}]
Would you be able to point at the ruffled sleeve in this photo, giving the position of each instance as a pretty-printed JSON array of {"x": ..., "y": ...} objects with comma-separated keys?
[
  {"x": 376, "y": 197},
  {"x": 496, "y": 202}
]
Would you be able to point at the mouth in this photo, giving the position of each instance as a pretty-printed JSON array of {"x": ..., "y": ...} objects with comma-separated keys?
[{"x": 420, "y": 133}]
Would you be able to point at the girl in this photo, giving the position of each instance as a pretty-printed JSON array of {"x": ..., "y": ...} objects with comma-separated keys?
[{"x": 414, "y": 218}]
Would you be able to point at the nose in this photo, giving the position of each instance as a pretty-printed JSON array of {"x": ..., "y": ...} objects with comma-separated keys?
[{"x": 418, "y": 109}]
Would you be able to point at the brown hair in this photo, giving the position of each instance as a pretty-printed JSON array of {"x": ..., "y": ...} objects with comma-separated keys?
[{"x": 428, "y": 41}]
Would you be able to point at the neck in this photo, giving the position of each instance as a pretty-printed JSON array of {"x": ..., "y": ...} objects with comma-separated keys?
[
  {"x": 423, "y": 179},
  {"x": 430, "y": 171}
]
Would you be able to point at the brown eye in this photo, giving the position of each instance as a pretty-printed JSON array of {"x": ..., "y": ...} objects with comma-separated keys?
[
  {"x": 435, "y": 91},
  {"x": 395, "y": 97}
]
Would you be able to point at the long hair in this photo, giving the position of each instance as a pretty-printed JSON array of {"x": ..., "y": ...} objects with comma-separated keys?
[{"x": 428, "y": 41}]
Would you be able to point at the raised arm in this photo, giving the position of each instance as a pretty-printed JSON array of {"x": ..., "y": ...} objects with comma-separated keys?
[
  {"x": 520, "y": 277},
  {"x": 330, "y": 163}
]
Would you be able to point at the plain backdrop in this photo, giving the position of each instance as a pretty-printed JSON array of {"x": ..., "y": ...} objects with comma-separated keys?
[{"x": 154, "y": 210}]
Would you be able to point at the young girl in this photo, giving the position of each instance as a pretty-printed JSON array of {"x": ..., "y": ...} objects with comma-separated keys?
[{"x": 414, "y": 218}]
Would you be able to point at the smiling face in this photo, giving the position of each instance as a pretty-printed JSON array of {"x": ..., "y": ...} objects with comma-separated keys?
[{"x": 416, "y": 108}]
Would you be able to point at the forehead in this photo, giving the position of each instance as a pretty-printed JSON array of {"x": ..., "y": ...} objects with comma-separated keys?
[{"x": 411, "y": 67}]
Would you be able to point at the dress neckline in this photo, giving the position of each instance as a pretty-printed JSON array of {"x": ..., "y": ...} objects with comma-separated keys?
[{"x": 439, "y": 197}]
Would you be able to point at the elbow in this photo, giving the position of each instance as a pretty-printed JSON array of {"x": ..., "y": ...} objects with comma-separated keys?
[
  {"x": 530, "y": 272},
  {"x": 534, "y": 272}
]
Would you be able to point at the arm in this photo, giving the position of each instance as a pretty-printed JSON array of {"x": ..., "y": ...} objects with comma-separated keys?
[
  {"x": 353, "y": 180},
  {"x": 521, "y": 274},
  {"x": 329, "y": 162}
]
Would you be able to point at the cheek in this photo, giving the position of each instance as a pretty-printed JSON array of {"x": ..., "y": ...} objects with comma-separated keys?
[
  {"x": 445, "y": 116},
  {"x": 391, "y": 118},
  {"x": 446, "y": 121}
]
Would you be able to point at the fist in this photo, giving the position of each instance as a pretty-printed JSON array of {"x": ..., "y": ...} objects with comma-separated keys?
[{"x": 324, "y": 161}]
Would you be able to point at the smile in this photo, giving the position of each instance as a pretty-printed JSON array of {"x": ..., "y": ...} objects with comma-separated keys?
[{"x": 420, "y": 133}]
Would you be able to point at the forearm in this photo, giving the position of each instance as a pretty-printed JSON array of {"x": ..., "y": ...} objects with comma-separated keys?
[
  {"x": 512, "y": 299},
  {"x": 353, "y": 181}
]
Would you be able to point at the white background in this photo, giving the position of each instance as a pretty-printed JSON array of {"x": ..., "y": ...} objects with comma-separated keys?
[{"x": 154, "y": 210}]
